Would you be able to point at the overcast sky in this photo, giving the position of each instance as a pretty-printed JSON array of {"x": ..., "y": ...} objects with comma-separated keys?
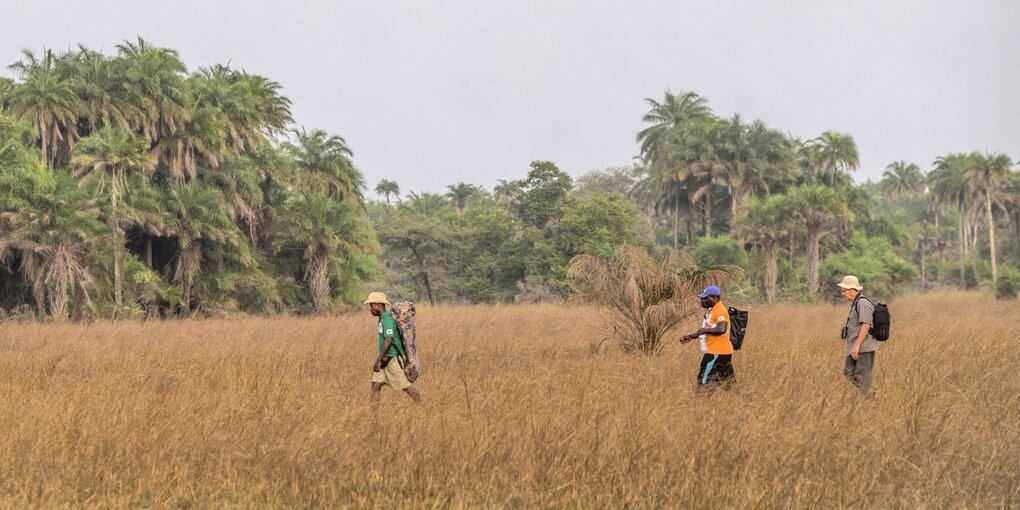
[{"x": 431, "y": 93}]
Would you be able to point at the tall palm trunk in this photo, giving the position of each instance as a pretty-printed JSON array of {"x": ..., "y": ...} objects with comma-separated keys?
[
  {"x": 814, "y": 239},
  {"x": 975, "y": 230},
  {"x": 690, "y": 212},
  {"x": 318, "y": 281},
  {"x": 676, "y": 221},
  {"x": 962, "y": 235},
  {"x": 43, "y": 137},
  {"x": 39, "y": 293},
  {"x": 190, "y": 261},
  {"x": 118, "y": 245},
  {"x": 708, "y": 213},
  {"x": 921, "y": 245},
  {"x": 974, "y": 251},
  {"x": 58, "y": 280},
  {"x": 771, "y": 270},
  {"x": 990, "y": 218},
  {"x": 148, "y": 250}
]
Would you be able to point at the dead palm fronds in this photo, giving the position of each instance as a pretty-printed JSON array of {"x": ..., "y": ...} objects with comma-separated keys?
[
  {"x": 57, "y": 272},
  {"x": 641, "y": 298}
]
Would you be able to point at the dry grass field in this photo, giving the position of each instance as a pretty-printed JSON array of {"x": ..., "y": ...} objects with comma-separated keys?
[{"x": 518, "y": 413}]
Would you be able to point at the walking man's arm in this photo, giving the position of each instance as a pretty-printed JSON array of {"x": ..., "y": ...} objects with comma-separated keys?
[
  {"x": 855, "y": 353},
  {"x": 385, "y": 349},
  {"x": 719, "y": 329}
]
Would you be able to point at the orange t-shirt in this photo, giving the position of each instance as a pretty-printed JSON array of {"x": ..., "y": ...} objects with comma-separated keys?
[{"x": 718, "y": 344}]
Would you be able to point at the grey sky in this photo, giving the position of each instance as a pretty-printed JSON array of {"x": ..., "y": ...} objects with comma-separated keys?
[{"x": 431, "y": 93}]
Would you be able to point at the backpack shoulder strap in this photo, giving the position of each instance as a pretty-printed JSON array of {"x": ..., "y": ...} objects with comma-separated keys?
[
  {"x": 398, "y": 339},
  {"x": 854, "y": 308}
]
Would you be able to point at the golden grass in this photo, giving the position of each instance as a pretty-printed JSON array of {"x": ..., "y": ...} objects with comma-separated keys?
[{"x": 275, "y": 412}]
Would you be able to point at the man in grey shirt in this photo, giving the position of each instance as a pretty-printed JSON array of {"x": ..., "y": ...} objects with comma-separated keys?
[{"x": 860, "y": 345}]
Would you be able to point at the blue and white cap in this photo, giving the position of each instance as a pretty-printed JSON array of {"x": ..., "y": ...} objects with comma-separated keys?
[{"x": 711, "y": 290}]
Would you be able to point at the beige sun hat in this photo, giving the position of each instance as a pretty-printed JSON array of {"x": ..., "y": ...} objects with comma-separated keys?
[
  {"x": 850, "y": 282},
  {"x": 376, "y": 297}
]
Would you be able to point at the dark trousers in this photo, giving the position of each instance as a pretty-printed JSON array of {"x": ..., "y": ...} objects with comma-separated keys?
[
  {"x": 859, "y": 372},
  {"x": 715, "y": 370}
]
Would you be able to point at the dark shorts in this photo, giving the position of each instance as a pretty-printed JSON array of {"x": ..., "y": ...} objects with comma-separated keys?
[{"x": 715, "y": 369}]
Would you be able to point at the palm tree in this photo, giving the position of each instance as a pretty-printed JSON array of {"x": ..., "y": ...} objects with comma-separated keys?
[
  {"x": 197, "y": 216},
  {"x": 818, "y": 211},
  {"x": 460, "y": 193},
  {"x": 202, "y": 138},
  {"x": 507, "y": 191},
  {"x": 252, "y": 106},
  {"x": 836, "y": 154},
  {"x": 949, "y": 190},
  {"x": 987, "y": 177},
  {"x": 675, "y": 110},
  {"x": 668, "y": 147},
  {"x": 144, "y": 210},
  {"x": 667, "y": 196},
  {"x": 387, "y": 188},
  {"x": 426, "y": 203},
  {"x": 753, "y": 155},
  {"x": 153, "y": 78},
  {"x": 766, "y": 223},
  {"x": 645, "y": 298},
  {"x": 902, "y": 178},
  {"x": 806, "y": 154},
  {"x": 228, "y": 113},
  {"x": 49, "y": 220},
  {"x": 100, "y": 88},
  {"x": 326, "y": 163},
  {"x": 691, "y": 156},
  {"x": 709, "y": 166},
  {"x": 44, "y": 100},
  {"x": 277, "y": 174},
  {"x": 113, "y": 153},
  {"x": 325, "y": 231},
  {"x": 240, "y": 180},
  {"x": 6, "y": 85}
]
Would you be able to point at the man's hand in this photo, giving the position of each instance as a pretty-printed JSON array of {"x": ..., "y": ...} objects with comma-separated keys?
[
  {"x": 378, "y": 365},
  {"x": 686, "y": 338},
  {"x": 856, "y": 351}
]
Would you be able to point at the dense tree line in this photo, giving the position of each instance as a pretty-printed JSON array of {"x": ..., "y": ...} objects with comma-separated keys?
[
  {"x": 944, "y": 227},
  {"x": 511, "y": 245},
  {"x": 130, "y": 186},
  {"x": 728, "y": 191}
]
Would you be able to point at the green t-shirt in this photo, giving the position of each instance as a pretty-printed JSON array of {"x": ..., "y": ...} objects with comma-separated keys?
[{"x": 388, "y": 327}]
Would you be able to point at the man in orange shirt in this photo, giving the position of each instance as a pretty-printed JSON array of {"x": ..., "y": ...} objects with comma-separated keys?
[{"x": 716, "y": 363}]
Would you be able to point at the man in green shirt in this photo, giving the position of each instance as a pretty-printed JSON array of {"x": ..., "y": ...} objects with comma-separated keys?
[{"x": 389, "y": 366}]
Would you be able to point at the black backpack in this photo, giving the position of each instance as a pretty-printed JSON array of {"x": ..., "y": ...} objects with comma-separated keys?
[
  {"x": 882, "y": 321},
  {"x": 738, "y": 327}
]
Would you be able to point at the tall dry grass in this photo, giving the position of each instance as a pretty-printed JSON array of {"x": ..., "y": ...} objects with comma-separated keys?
[{"x": 517, "y": 413}]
